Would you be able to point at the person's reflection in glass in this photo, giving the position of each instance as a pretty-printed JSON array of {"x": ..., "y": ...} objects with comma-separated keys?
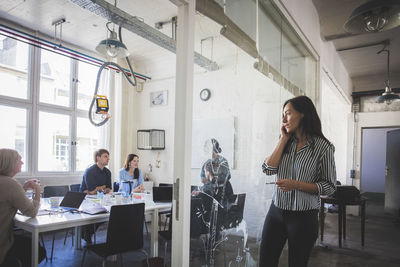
[{"x": 216, "y": 194}]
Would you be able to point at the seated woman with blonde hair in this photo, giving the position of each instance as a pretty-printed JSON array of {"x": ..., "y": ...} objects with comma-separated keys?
[{"x": 15, "y": 249}]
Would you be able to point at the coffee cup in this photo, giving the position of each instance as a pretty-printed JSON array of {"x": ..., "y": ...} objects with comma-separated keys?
[
  {"x": 54, "y": 202},
  {"x": 118, "y": 199}
]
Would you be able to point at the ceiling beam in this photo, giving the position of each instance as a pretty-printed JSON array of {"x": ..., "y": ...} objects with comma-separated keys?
[
  {"x": 133, "y": 24},
  {"x": 384, "y": 42}
]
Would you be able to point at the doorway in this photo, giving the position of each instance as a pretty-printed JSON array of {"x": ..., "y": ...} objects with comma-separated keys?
[{"x": 373, "y": 161}]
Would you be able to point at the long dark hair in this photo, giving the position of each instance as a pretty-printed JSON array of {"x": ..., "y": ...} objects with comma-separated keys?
[
  {"x": 128, "y": 160},
  {"x": 310, "y": 124}
]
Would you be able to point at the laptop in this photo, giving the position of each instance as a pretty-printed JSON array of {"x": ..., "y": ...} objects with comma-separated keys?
[
  {"x": 72, "y": 200},
  {"x": 162, "y": 194}
]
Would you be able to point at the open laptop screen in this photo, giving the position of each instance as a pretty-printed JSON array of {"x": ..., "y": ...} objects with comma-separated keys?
[{"x": 72, "y": 200}]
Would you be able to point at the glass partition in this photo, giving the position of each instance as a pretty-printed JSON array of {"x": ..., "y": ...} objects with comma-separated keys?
[{"x": 238, "y": 126}]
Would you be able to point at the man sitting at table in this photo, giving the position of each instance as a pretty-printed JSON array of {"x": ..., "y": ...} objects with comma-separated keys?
[{"x": 96, "y": 178}]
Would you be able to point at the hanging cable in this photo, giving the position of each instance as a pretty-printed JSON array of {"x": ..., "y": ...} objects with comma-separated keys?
[
  {"x": 106, "y": 116},
  {"x": 127, "y": 59}
]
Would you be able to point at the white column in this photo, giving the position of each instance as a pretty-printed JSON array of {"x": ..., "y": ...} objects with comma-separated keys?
[{"x": 183, "y": 132}]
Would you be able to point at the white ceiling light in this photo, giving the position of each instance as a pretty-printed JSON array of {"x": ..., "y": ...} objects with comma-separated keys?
[
  {"x": 112, "y": 47},
  {"x": 374, "y": 16}
]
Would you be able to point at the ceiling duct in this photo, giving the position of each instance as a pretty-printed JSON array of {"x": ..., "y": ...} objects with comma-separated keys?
[{"x": 133, "y": 24}]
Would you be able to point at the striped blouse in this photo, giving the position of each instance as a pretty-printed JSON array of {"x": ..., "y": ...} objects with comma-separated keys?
[{"x": 313, "y": 163}]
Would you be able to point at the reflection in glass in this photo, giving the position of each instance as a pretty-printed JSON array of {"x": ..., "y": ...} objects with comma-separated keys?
[
  {"x": 243, "y": 14},
  {"x": 294, "y": 66},
  {"x": 254, "y": 98},
  {"x": 54, "y": 142},
  {"x": 55, "y": 79},
  {"x": 13, "y": 133},
  {"x": 215, "y": 209},
  {"x": 87, "y": 80},
  {"x": 88, "y": 140},
  {"x": 14, "y": 57}
]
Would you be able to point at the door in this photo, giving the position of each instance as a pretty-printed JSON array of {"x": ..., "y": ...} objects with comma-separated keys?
[{"x": 392, "y": 196}]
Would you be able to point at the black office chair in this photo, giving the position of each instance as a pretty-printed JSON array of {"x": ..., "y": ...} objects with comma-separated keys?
[
  {"x": 124, "y": 233},
  {"x": 164, "y": 184},
  {"x": 231, "y": 219},
  {"x": 166, "y": 234},
  {"x": 166, "y": 213},
  {"x": 54, "y": 191},
  {"x": 233, "y": 216},
  {"x": 73, "y": 188}
]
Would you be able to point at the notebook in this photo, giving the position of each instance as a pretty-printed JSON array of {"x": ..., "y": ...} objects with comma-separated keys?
[
  {"x": 162, "y": 194},
  {"x": 94, "y": 208},
  {"x": 72, "y": 200}
]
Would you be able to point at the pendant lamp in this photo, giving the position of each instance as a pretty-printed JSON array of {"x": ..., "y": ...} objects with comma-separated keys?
[{"x": 112, "y": 47}]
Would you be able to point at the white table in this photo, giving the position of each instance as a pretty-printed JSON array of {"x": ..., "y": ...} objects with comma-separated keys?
[{"x": 45, "y": 223}]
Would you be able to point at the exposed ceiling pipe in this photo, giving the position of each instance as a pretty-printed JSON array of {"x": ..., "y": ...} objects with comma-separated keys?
[
  {"x": 229, "y": 29},
  {"x": 334, "y": 37},
  {"x": 373, "y": 92},
  {"x": 133, "y": 24},
  {"x": 384, "y": 42}
]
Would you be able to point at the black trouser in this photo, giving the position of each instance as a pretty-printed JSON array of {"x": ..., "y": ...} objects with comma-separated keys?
[
  {"x": 300, "y": 228},
  {"x": 89, "y": 230},
  {"x": 20, "y": 252}
]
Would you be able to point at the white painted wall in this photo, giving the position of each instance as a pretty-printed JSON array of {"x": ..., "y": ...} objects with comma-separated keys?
[{"x": 334, "y": 114}]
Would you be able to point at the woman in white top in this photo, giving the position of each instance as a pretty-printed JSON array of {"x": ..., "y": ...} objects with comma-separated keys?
[{"x": 131, "y": 173}]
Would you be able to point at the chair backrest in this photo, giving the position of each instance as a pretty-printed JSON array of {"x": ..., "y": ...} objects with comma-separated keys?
[
  {"x": 55, "y": 190},
  {"x": 74, "y": 187},
  {"x": 197, "y": 218},
  {"x": 167, "y": 234},
  {"x": 164, "y": 184},
  {"x": 233, "y": 215},
  {"x": 125, "y": 228},
  {"x": 240, "y": 202},
  {"x": 194, "y": 188}
]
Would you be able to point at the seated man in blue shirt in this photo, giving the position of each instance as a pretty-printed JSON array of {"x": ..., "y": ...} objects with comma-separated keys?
[{"x": 95, "y": 178}]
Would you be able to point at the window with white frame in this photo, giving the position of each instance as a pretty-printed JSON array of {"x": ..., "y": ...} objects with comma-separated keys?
[{"x": 44, "y": 117}]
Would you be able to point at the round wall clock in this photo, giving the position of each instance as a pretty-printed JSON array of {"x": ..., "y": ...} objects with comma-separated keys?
[{"x": 205, "y": 94}]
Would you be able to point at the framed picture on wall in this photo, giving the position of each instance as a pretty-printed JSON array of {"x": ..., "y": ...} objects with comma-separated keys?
[{"x": 159, "y": 98}]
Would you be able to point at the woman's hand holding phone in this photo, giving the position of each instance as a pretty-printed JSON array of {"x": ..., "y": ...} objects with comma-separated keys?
[{"x": 284, "y": 133}]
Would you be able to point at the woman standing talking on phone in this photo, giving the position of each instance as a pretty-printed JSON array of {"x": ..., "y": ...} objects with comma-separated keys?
[{"x": 305, "y": 167}]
